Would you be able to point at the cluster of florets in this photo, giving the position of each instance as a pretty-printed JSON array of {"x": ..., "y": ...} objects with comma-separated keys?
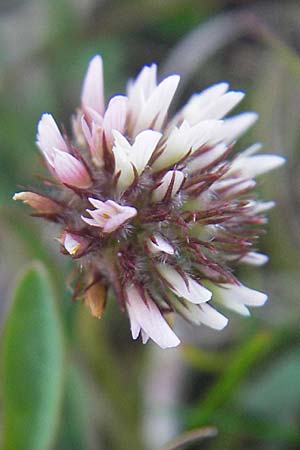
[{"x": 156, "y": 210}]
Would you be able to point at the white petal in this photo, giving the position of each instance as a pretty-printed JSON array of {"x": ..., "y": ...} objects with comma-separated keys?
[
  {"x": 71, "y": 243},
  {"x": 202, "y": 100},
  {"x": 145, "y": 337},
  {"x": 255, "y": 259},
  {"x": 134, "y": 325},
  {"x": 203, "y": 132},
  {"x": 184, "y": 139},
  {"x": 92, "y": 95},
  {"x": 158, "y": 244},
  {"x": 207, "y": 158},
  {"x": 232, "y": 186},
  {"x": 254, "y": 148},
  {"x": 193, "y": 291},
  {"x": 218, "y": 108},
  {"x": 156, "y": 106},
  {"x": 253, "y": 166},
  {"x": 149, "y": 319},
  {"x": 159, "y": 193},
  {"x": 235, "y": 305},
  {"x": 140, "y": 89},
  {"x": 120, "y": 141},
  {"x": 233, "y": 295},
  {"x": 234, "y": 127},
  {"x": 123, "y": 164},
  {"x": 143, "y": 147},
  {"x": 223, "y": 105},
  {"x": 176, "y": 147},
  {"x": 211, "y": 317},
  {"x": 201, "y": 314},
  {"x": 261, "y": 207}
]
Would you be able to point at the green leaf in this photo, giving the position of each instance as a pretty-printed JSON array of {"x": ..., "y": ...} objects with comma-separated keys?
[{"x": 32, "y": 365}]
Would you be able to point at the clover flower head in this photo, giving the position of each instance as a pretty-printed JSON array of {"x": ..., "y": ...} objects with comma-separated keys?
[{"x": 157, "y": 209}]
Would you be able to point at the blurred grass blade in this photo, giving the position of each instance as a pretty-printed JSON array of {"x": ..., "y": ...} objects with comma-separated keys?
[
  {"x": 249, "y": 353},
  {"x": 32, "y": 365},
  {"x": 190, "y": 437},
  {"x": 204, "y": 41}
]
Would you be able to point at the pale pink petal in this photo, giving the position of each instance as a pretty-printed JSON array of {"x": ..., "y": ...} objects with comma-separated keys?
[
  {"x": 91, "y": 222},
  {"x": 93, "y": 134},
  {"x": 108, "y": 207},
  {"x": 92, "y": 95},
  {"x": 93, "y": 116},
  {"x": 70, "y": 170},
  {"x": 99, "y": 217},
  {"x": 86, "y": 131},
  {"x": 39, "y": 202},
  {"x": 108, "y": 215},
  {"x": 49, "y": 137},
  {"x": 115, "y": 117},
  {"x": 116, "y": 221},
  {"x": 149, "y": 319}
]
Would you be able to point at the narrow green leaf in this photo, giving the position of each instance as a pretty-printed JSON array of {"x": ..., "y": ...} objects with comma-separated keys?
[{"x": 32, "y": 365}]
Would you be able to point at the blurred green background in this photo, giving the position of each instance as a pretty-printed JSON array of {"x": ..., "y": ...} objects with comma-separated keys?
[{"x": 104, "y": 391}]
